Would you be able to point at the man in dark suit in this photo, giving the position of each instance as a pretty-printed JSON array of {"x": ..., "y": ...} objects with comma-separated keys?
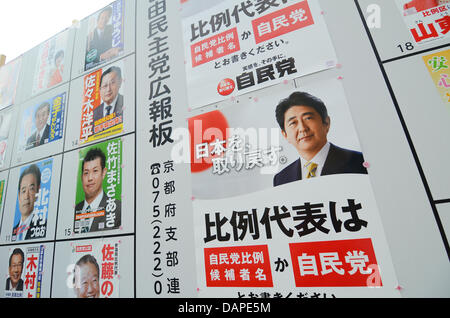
[
  {"x": 14, "y": 282},
  {"x": 305, "y": 124},
  {"x": 112, "y": 101},
  {"x": 41, "y": 135},
  {"x": 96, "y": 212}
]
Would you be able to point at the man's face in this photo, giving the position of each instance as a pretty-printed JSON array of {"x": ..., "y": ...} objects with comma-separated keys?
[
  {"x": 27, "y": 194},
  {"x": 41, "y": 118},
  {"x": 15, "y": 269},
  {"x": 87, "y": 281},
  {"x": 305, "y": 130},
  {"x": 110, "y": 87},
  {"x": 103, "y": 20},
  {"x": 92, "y": 178}
]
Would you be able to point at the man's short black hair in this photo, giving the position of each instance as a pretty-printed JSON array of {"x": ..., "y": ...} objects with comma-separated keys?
[
  {"x": 114, "y": 69},
  {"x": 300, "y": 99},
  {"x": 33, "y": 169},
  {"x": 93, "y": 154},
  {"x": 17, "y": 251}
]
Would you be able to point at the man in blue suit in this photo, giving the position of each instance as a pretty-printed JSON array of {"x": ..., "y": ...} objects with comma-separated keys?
[{"x": 304, "y": 122}]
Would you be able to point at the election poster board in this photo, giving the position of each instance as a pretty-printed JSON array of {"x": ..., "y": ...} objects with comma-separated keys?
[
  {"x": 254, "y": 238},
  {"x": 9, "y": 76},
  {"x": 234, "y": 48},
  {"x": 52, "y": 63}
]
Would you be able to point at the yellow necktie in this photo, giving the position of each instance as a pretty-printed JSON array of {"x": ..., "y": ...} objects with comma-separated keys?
[{"x": 312, "y": 168}]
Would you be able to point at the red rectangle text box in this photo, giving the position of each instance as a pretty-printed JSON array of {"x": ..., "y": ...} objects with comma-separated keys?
[
  {"x": 335, "y": 264},
  {"x": 282, "y": 21},
  {"x": 241, "y": 266},
  {"x": 215, "y": 47}
]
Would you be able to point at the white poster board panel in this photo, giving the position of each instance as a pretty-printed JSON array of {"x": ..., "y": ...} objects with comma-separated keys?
[
  {"x": 390, "y": 29},
  {"x": 86, "y": 101},
  {"x": 41, "y": 125},
  {"x": 71, "y": 177},
  {"x": 117, "y": 24},
  {"x": 31, "y": 216},
  {"x": 31, "y": 280},
  {"x": 114, "y": 277},
  {"x": 421, "y": 106}
]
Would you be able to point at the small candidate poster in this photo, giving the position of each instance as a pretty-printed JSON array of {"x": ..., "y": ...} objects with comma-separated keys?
[
  {"x": 105, "y": 35},
  {"x": 33, "y": 200},
  {"x": 438, "y": 65},
  {"x": 237, "y": 47},
  {"x": 95, "y": 269},
  {"x": 98, "y": 203},
  {"x": 5, "y": 124},
  {"x": 42, "y": 123},
  {"x": 25, "y": 269},
  {"x": 427, "y": 20},
  {"x": 9, "y": 76},
  {"x": 102, "y": 104},
  {"x": 50, "y": 63}
]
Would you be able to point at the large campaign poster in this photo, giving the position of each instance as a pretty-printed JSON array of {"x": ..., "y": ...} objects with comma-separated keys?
[
  {"x": 98, "y": 203},
  {"x": 103, "y": 103},
  {"x": 51, "y": 60},
  {"x": 33, "y": 200},
  {"x": 427, "y": 20},
  {"x": 94, "y": 269},
  {"x": 289, "y": 210},
  {"x": 9, "y": 76},
  {"x": 42, "y": 123},
  {"x": 5, "y": 142},
  {"x": 234, "y": 48},
  {"x": 105, "y": 38},
  {"x": 25, "y": 268}
]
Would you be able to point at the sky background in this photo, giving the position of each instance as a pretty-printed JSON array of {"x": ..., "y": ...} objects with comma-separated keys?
[{"x": 26, "y": 23}]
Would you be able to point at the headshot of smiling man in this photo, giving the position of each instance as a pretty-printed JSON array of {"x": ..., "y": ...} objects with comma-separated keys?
[
  {"x": 92, "y": 210},
  {"x": 29, "y": 186},
  {"x": 41, "y": 135},
  {"x": 305, "y": 123},
  {"x": 86, "y": 278}
]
